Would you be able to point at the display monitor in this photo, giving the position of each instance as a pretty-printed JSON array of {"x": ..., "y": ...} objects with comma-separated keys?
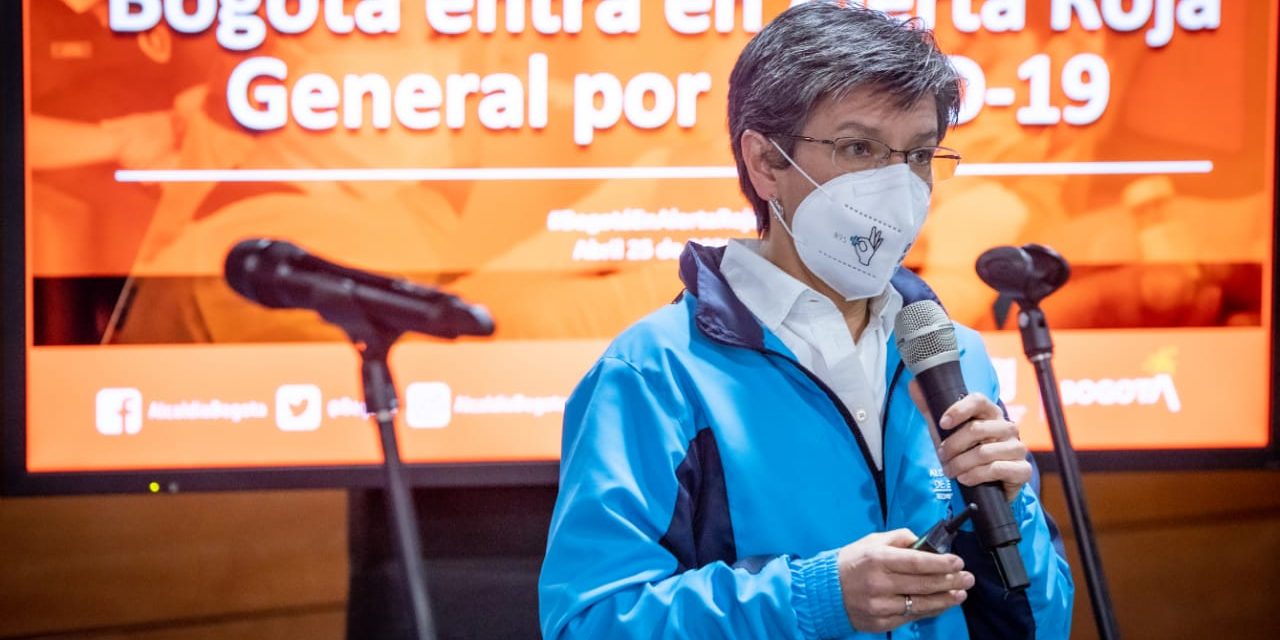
[{"x": 549, "y": 160}]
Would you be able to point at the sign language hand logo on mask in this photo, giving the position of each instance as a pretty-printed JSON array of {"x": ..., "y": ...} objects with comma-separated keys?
[{"x": 866, "y": 246}]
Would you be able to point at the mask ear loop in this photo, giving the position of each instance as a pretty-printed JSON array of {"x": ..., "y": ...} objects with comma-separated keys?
[
  {"x": 802, "y": 171},
  {"x": 774, "y": 205}
]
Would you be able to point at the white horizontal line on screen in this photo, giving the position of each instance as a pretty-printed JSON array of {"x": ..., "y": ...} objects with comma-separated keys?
[
  {"x": 1154, "y": 167},
  {"x": 620, "y": 173},
  {"x": 425, "y": 175}
]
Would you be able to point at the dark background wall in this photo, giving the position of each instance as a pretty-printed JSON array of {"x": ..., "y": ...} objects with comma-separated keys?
[{"x": 1188, "y": 555}]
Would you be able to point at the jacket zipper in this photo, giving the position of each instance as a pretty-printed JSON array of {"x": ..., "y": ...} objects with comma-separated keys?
[
  {"x": 888, "y": 395},
  {"x": 876, "y": 473}
]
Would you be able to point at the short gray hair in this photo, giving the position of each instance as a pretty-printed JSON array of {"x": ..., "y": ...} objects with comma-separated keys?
[{"x": 825, "y": 49}]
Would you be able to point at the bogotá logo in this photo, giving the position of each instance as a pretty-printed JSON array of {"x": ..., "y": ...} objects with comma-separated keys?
[{"x": 1155, "y": 388}]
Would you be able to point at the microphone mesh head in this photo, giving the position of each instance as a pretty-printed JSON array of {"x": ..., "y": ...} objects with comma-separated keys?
[
  {"x": 925, "y": 335},
  {"x": 241, "y": 266},
  {"x": 253, "y": 268}
]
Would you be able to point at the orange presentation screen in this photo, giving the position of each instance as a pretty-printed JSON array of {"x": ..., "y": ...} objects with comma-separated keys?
[{"x": 549, "y": 160}]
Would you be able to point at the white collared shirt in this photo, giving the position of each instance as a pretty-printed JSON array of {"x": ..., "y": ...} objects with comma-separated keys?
[{"x": 812, "y": 327}]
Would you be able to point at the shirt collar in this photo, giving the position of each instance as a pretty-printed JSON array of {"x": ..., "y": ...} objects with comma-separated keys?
[
  {"x": 884, "y": 309},
  {"x": 768, "y": 291},
  {"x": 771, "y": 293}
]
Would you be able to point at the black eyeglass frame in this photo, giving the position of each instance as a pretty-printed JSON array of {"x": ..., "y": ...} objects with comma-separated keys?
[{"x": 948, "y": 152}]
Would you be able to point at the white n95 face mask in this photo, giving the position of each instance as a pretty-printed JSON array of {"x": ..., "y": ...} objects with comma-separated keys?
[{"x": 854, "y": 231}]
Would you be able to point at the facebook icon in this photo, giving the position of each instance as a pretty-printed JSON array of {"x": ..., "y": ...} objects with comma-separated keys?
[{"x": 119, "y": 411}]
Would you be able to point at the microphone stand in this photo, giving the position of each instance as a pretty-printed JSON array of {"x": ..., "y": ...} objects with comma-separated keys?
[
  {"x": 374, "y": 342},
  {"x": 380, "y": 400},
  {"x": 374, "y": 311},
  {"x": 1038, "y": 346},
  {"x": 1026, "y": 275}
]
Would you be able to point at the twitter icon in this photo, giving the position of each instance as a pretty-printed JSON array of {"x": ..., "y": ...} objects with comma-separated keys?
[{"x": 298, "y": 407}]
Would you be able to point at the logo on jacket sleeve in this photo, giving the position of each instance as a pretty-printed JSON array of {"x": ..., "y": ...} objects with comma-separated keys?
[{"x": 940, "y": 484}]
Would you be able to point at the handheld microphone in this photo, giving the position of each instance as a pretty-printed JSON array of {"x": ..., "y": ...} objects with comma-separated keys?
[
  {"x": 927, "y": 342},
  {"x": 282, "y": 275}
]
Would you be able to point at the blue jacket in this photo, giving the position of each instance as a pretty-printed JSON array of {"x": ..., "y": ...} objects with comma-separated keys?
[{"x": 707, "y": 481}]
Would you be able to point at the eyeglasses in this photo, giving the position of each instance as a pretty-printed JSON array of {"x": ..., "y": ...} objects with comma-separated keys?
[{"x": 932, "y": 164}]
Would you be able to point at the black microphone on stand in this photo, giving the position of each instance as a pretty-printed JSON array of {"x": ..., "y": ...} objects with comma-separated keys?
[
  {"x": 279, "y": 274},
  {"x": 1027, "y": 275},
  {"x": 1022, "y": 274},
  {"x": 927, "y": 342},
  {"x": 374, "y": 311}
]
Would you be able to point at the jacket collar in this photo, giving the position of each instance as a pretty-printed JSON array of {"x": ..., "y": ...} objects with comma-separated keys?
[{"x": 723, "y": 317}]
